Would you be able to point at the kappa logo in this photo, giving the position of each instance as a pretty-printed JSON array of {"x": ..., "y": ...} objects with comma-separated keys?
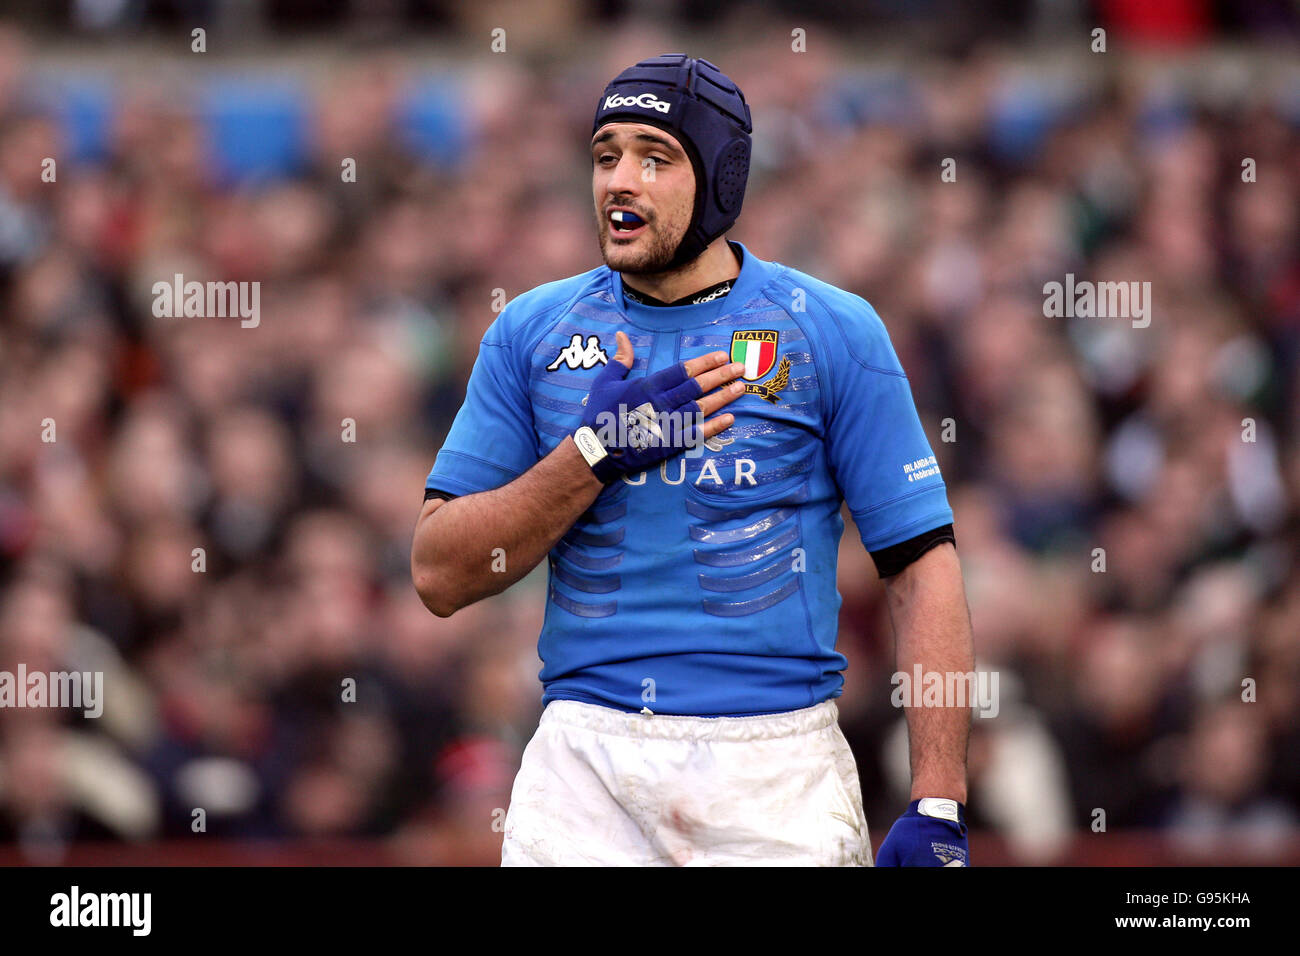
[
  {"x": 647, "y": 101},
  {"x": 576, "y": 355}
]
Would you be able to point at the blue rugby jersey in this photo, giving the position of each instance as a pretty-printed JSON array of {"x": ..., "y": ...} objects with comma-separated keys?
[{"x": 705, "y": 586}]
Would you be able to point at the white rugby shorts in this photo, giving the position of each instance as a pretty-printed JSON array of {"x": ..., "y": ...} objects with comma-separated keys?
[{"x": 599, "y": 787}]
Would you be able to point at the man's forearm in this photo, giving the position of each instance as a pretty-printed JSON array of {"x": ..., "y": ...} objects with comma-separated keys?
[
  {"x": 927, "y": 605},
  {"x": 454, "y": 558}
]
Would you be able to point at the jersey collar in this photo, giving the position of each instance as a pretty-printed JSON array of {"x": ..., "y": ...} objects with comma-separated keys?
[{"x": 753, "y": 275}]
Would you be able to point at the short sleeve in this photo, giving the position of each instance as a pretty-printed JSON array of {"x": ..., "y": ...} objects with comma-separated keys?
[
  {"x": 882, "y": 461},
  {"x": 492, "y": 440}
]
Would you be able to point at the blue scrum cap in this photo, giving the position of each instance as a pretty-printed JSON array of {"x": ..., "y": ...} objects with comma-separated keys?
[{"x": 699, "y": 105}]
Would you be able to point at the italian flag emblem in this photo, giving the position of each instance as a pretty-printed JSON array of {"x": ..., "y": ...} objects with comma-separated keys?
[{"x": 757, "y": 349}]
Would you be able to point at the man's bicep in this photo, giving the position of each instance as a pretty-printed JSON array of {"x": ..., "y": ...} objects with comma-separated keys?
[
  {"x": 430, "y": 506},
  {"x": 896, "y": 558},
  {"x": 939, "y": 558}
]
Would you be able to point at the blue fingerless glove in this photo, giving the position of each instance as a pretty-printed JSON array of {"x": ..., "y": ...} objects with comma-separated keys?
[
  {"x": 931, "y": 833},
  {"x": 628, "y": 427}
]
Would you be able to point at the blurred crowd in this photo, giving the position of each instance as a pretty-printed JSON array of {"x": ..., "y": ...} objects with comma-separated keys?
[{"x": 205, "y": 531}]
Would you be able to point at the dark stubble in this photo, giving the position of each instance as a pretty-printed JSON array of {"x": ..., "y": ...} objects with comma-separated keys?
[{"x": 653, "y": 258}]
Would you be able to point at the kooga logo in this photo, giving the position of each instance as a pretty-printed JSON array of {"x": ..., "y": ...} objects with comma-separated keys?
[{"x": 647, "y": 101}]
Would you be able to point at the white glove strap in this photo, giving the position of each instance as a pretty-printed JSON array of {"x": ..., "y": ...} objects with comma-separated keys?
[
  {"x": 937, "y": 807},
  {"x": 590, "y": 446}
]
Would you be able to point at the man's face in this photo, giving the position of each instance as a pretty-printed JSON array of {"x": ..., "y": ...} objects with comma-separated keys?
[{"x": 643, "y": 172}]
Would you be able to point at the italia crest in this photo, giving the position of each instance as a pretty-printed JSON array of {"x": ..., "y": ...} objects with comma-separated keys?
[{"x": 756, "y": 348}]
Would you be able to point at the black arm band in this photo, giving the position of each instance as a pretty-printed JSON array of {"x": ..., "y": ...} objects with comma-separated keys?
[
  {"x": 891, "y": 560},
  {"x": 435, "y": 493}
]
